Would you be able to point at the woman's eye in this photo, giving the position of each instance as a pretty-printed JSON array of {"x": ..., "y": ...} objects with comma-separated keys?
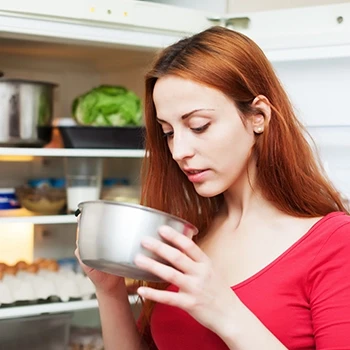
[
  {"x": 168, "y": 134},
  {"x": 200, "y": 129}
]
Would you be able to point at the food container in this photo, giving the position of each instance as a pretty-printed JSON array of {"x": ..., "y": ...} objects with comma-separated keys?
[
  {"x": 26, "y": 112},
  {"x": 42, "y": 200},
  {"x": 8, "y": 199},
  {"x": 41, "y": 332},
  {"x": 110, "y": 234},
  {"x": 102, "y": 137}
]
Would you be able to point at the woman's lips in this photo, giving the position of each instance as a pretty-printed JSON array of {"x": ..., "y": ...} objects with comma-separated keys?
[{"x": 196, "y": 175}]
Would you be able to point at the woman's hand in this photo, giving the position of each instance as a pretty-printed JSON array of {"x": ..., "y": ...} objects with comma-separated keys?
[
  {"x": 105, "y": 283},
  {"x": 201, "y": 293}
]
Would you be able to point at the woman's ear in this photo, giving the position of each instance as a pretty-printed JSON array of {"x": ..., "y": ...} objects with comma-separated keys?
[{"x": 261, "y": 120}]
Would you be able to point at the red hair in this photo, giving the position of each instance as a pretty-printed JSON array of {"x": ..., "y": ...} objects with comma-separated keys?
[{"x": 288, "y": 173}]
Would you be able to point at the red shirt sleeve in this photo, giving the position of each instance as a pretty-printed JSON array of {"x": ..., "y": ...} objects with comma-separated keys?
[{"x": 329, "y": 283}]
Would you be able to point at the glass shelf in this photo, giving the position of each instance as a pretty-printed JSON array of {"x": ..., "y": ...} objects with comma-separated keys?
[
  {"x": 72, "y": 152},
  {"x": 52, "y": 308}
]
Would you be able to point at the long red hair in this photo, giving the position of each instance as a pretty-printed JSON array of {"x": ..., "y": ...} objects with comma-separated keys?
[{"x": 289, "y": 174}]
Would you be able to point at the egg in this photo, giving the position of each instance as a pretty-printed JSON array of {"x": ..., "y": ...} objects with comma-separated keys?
[
  {"x": 11, "y": 270},
  {"x": 32, "y": 268},
  {"x": 21, "y": 265},
  {"x": 3, "y": 266},
  {"x": 52, "y": 266}
]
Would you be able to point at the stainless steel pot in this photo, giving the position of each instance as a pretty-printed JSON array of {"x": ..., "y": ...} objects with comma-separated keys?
[
  {"x": 109, "y": 235},
  {"x": 26, "y": 112}
]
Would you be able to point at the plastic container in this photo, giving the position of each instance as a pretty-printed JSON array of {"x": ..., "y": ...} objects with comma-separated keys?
[
  {"x": 102, "y": 137},
  {"x": 40, "y": 332},
  {"x": 70, "y": 263},
  {"x": 8, "y": 199}
]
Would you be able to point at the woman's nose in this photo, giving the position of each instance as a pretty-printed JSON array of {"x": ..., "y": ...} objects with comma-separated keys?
[{"x": 181, "y": 148}]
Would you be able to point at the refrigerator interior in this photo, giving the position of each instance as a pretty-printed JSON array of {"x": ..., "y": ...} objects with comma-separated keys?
[{"x": 76, "y": 69}]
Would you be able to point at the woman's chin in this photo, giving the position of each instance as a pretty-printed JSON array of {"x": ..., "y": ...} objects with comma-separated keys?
[{"x": 207, "y": 191}]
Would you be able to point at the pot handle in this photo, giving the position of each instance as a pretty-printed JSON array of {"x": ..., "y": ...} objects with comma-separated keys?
[{"x": 77, "y": 212}]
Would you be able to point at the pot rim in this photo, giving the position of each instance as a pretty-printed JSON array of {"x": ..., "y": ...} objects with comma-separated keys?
[
  {"x": 142, "y": 207},
  {"x": 27, "y": 81}
]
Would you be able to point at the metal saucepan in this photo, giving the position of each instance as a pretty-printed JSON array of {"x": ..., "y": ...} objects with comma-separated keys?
[
  {"x": 26, "y": 112},
  {"x": 109, "y": 235}
]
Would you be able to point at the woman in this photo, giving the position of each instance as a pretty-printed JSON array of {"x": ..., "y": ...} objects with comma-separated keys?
[{"x": 269, "y": 266}]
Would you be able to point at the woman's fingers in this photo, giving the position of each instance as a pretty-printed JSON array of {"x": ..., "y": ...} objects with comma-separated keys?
[
  {"x": 174, "y": 256},
  {"x": 85, "y": 268},
  {"x": 165, "y": 272},
  {"x": 180, "y": 251},
  {"x": 183, "y": 243},
  {"x": 163, "y": 296}
]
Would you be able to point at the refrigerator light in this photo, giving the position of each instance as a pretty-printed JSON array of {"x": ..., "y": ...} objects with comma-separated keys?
[{"x": 16, "y": 242}]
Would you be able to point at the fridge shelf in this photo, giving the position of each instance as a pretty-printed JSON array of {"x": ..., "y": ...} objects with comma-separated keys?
[
  {"x": 52, "y": 308},
  {"x": 72, "y": 152},
  {"x": 38, "y": 219}
]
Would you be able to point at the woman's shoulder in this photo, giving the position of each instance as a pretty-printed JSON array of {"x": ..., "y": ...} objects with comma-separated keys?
[
  {"x": 331, "y": 262},
  {"x": 333, "y": 222},
  {"x": 334, "y": 233},
  {"x": 329, "y": 234}
]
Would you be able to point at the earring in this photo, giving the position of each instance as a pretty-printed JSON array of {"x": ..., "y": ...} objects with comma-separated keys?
[{"x": 259, "y": 130}]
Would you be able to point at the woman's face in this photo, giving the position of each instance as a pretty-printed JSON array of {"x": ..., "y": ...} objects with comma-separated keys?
[{"x": 205, "y": 134}]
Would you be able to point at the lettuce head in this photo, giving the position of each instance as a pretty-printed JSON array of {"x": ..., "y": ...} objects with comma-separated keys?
[{"x": 108, "y": 106}]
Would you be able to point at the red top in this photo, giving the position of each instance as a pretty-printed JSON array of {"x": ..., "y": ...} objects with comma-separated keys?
[{"x": 302, "y": 297}]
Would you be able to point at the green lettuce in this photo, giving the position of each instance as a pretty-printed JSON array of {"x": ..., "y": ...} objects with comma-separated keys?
[{"x": 108, "y": 106}]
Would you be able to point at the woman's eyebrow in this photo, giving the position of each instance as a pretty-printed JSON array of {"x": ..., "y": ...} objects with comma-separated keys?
[{"x": 186, "y": 115}]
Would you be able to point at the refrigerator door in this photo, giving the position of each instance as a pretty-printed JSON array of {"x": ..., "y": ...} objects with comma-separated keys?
[
  {"x": 122, "y": 14},
  {"x": 297, "y": 33}
]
